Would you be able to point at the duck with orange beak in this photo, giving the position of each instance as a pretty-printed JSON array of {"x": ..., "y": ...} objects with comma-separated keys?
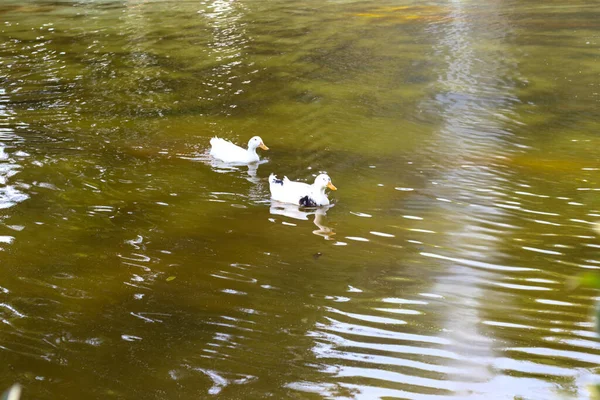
[
  {"x": 228, "y": 152},
  {"x": 299, "y": 193}
]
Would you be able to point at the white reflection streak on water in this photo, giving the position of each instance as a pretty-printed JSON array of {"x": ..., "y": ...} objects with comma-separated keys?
[
  {"x": 10, "y": 194},
  {"x": 296, "y": 212},
  {"x": 139, "y": 264},
  {"x": 229, "y": 38},
  {"x": 141, "y": 58},
  {"x": 226, "y": 49},
  {"x": 472, "y": 92}
]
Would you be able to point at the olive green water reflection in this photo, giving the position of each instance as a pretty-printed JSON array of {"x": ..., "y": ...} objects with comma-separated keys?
[{"x": 463, "y": 139}]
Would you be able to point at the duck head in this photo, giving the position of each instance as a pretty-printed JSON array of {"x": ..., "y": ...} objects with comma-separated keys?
[
  {"x": 255, "y": 142},
  {"x": 323, "y": 181}
]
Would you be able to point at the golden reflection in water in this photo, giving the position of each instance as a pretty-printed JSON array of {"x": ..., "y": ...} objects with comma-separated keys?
[{"x": 404, "y": 14}]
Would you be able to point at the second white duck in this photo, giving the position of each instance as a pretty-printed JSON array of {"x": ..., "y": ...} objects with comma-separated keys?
[
  {"x": 300, "y": 193},
  {"x": 226, "y": 151}
]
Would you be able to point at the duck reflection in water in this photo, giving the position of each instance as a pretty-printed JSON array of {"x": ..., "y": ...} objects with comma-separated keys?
[
  {"x": 302, "y": 213},
  {"x": 256, "y": 190},
  {"x": 223, "y": 168}
]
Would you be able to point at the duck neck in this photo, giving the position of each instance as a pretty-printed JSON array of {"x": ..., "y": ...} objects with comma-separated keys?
[
  {"x": 252, "y": 151},
  {"x": 319, "y": 190}
]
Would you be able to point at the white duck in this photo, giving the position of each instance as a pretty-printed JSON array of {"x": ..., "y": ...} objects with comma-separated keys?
[
  {"x": 224, "y": 150},
  {"x": 299, "y": 193}
]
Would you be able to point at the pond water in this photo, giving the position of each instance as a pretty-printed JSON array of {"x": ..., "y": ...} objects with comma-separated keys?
[{"x": 463, "y": 139}]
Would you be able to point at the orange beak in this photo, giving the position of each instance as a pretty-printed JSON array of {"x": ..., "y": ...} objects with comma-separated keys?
[
  {"x": 262, "y": 146},
  {"x": 330, "y": 186}
]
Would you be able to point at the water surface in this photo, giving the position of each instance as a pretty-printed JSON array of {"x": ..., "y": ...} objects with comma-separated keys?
[{"x": 462, "y": 137}]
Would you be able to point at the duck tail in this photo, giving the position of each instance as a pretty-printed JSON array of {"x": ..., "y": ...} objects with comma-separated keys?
[{"x": 273, "y": 179}]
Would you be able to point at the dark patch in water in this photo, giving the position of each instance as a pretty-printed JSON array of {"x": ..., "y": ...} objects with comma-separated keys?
[{"x": 307, "y": 97}]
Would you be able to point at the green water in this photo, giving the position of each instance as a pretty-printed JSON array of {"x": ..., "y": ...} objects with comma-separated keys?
[{"x": 462, "y": 137}]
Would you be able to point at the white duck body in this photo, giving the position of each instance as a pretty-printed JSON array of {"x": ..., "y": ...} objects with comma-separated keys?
[
  {"x": 226, "y": 151},
  {"x": 299, "y": 193}
]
